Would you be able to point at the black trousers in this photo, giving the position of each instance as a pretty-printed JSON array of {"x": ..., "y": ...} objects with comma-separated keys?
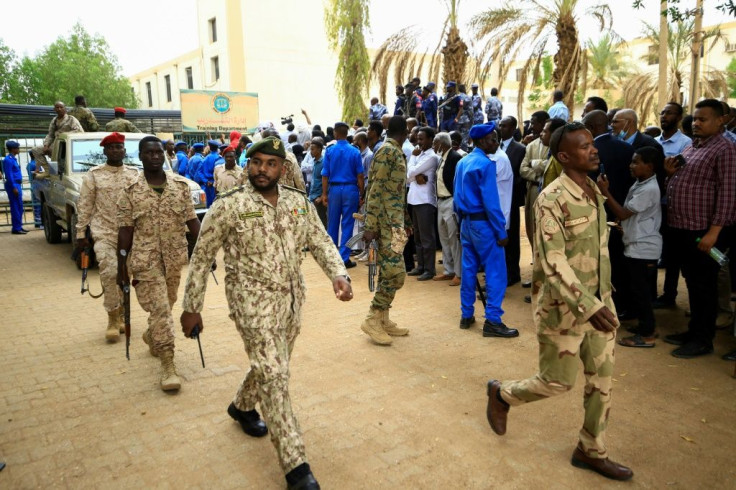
[
  {"x": 643, "y": 287},
  {"x": 424, "y": 217},
  {"x": 619, "y": 273},
  {"x": 672, "y": 261},
  {"x": 701, "y": 276},
  {"x": 513, "y": 249},
  {"x": 409, "y": 248}
]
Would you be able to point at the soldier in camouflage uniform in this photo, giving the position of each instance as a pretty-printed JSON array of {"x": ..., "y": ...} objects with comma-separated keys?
[
  {"x": 120, "y": 124},
  {"x": 573, "y": 310},
  {"x": 62, "y": 123},
  {"x": 229, "y": 175},
  {"x": 262, "y": 228},
  {"x": 97, "y": 208},
  {"x": 85, "y": 116},
  {"x": 387, "y": 221},
  {"x": 154, "y": 213}
]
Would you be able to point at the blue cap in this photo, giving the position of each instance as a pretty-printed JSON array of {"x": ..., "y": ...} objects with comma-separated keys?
[
  {"x": 222, "y": 146},
  {"x": 214, "y": 143},
  {"x": 10, "y": 145},
  {"x": 198, "y": 146},
  {"x": 480, "y": 130},
  {"x": 451, "y": 84},
  {"x": 179, "y": 143},
  {"x": 431, "y": 84}
]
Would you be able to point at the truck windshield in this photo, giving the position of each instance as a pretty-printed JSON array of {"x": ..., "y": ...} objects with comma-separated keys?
[{"x": 88, "y": 154}]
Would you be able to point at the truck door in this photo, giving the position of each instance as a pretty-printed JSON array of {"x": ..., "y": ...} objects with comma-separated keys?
[{"x": 58, "y": 199}]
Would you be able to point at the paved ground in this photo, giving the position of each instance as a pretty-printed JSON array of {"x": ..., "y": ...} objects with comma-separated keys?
[{"x": 78, "y": 415}]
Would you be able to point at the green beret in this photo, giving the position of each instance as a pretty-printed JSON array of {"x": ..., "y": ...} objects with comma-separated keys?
[{"x": 270, "y": 146}]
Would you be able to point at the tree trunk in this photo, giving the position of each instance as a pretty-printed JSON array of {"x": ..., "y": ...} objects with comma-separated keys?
[
  {"x": 663, "y": 36},
  {"x": 567, "y": 59},
  {"x": 454, "y": 57}
]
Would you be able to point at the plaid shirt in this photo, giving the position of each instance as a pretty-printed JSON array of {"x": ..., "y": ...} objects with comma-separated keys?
[{"x": 703, "y": 192}]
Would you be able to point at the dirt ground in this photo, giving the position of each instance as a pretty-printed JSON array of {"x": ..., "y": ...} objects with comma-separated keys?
[{"x": 77, "y": 414}]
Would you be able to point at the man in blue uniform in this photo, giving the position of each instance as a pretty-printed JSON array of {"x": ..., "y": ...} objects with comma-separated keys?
[
  {"x": 181, "y": 157},
  {"x": 400, "y": 101},
  {"x": 482, "y": 231},
  {"x": 205, "y": 175},
  {"x": 451, "y": 105},
  {"x": 429, "y": 107},
  {"x": 195, "y": 161},
  {"x": 13, "y": 186},
  {"x": 342, "y": 186},
  {"x": 31, "y": 172}
]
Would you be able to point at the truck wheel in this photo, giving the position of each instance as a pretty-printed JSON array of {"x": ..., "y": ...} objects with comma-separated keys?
[{"x": 51, "y": 228}]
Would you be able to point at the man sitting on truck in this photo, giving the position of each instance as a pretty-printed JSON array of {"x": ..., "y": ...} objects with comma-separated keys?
[
  {"x": 120, "y": 124},
  {"x": 62, "y": 123}
]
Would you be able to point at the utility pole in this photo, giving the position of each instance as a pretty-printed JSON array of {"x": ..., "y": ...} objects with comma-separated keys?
[
  {"x": 695, "y": 64},
  {"x": 663, "y": 88}
]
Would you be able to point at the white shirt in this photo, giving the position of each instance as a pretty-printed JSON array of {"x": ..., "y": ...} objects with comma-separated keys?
[
  {"x": 308, "y": 166},
  {"x": 505, "y": 144},
  {"x": 504, "y": 181},
  {"x": 425, "y": 163}
]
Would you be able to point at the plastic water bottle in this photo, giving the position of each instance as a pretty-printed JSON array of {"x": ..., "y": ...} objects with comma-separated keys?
[{"x": 716, "y": 255}]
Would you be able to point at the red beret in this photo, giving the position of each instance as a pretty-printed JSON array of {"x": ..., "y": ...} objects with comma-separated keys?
[
  {"x": 112, "y": 138},
  {"x": 120, "y": 109},
  {"x": 229, "y": 148}
]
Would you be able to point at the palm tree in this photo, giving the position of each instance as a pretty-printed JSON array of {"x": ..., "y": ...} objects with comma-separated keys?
[
  {"x": 402, "y": 53},
  {"x": 640, "y": 90},
  {"x": 525, "y": 30},
  {"x": 606, "y": 68},
  {"x": 345, "y": 22}
]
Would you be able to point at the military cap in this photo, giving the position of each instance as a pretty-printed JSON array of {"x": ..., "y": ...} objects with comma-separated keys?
[
  {"x": 120, "y": 109},
  {"x": 10, "y": 145},
  {"x": 451, "y": 84},
  {"x": 214, "y": 143},
  {"x": 112, "y": 138},
  {"x": 475, "y": 85},
  {"x": 270, "y": 146},
  {"x": 198, "y": 146},
  {"x": 480, "y": 130},
  {"x": 228, "y": 148},
  {"x": 180, "y": 143},
  {"x": 341, "y": 124},
  {"x": 431, "y": 84}
]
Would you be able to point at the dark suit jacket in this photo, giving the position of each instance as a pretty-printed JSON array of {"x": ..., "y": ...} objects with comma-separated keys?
[
  {"x": 641, "y": 140},
  {"x": 516, "y": 152},
  {"x": 615, "y": 158},
  {"x": 448, "y": 170}
]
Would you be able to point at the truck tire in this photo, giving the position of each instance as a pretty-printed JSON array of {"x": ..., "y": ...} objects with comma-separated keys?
[{"x": 51, "y": 228}]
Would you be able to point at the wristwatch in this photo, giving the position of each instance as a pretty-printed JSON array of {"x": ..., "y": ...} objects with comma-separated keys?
[
  {"x": 123, "y": 252},
  {"x": 347, "y": 277}
]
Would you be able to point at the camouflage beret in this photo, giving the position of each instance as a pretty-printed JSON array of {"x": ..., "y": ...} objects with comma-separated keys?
[{"x": 270, "y": 146}]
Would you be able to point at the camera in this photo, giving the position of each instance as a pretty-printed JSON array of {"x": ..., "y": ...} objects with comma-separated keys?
[{"x": 287, "y": 119}]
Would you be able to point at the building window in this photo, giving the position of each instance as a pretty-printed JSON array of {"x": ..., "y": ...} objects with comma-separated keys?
[
  {"x": 519, "y": 74},
  {"x": 213, "y": 30},
  {"x": 215, "y": 68},
  {"x": 167, "y": 81},
  {"x": 190, "y": 78},
  {"x": 653, "y": 55},
  {"x": 150, "y": 94}
]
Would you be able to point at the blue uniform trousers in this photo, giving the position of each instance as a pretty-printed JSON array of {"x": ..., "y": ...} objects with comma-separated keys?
[
  {"x": 480, "y": 248},
  {"x": 448, "y": 124},
  {"x": 342, "y": 202},
  {"x": 209, "y": 192},
  {"x": 16, "y": 206}
]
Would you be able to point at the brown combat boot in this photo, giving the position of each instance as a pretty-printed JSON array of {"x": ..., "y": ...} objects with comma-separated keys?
[
  {"x": 147, "y": 339},
  {"x": 114, "y": 322},
  {"x": 373, "y": 326},
  {"x": 390, "y": 327},
  {"x": 169, "y": 379}
]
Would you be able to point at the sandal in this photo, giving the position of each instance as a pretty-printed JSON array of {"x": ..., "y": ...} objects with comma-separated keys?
[
  {"x": 635, "y": 330},
  {"x": 637, "y": 341}
]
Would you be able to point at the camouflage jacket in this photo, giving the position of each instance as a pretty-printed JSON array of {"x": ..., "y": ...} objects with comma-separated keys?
[
  {"x": 262, "y": 247},
  {"x": 572, "y": 270},
  {"x": 85, "y": 117},
  {"x": 292, "y": 176},
  {"x": 121, "y": 126},
  {"x": 159, "y": 222},
  {"x": 226, "y": 179},
  {"x": 67, "y": 124},
  {"x": 97, "y": 206},
  {"x": 385, "y": 201}
]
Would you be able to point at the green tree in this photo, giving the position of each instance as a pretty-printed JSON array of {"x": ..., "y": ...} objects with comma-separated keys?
[
  {"x": 10, "y": 83},
  {"x": 77, "y": 64},
  {"x": 345, "y": 22},
  {"x": 677, "y": 13},
  {"x": 606, "y": 69},
  {"x": 731, "y": 71}
]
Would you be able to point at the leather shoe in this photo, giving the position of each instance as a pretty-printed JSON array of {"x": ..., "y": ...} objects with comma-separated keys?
[
  {"x": 605, "y": 466},
  {"x": 498, "y": 330},
  {"x": 497, "y": 411},
  {"x": 250, "y": 421},
  {"x": 426, "y": 276},
  {"x": 691, "y": 350},
  {"x": 527, "y": 299},
  {"x": 455, "y": 281},
  {"x": 308, "y": 482},
  {"x": 677, "y": 338},
  {"x": 731, "y": 356},
  {"x": 415, "y": 272},
  {"x": 349, "y": 264},
  {"x": 663, "y": 302},
  {"x": 444, "y": 277},
  {"x": 465, "y": 323},
  {"x": 18, "y": 232},
  {"x": 526, "y": 284}
]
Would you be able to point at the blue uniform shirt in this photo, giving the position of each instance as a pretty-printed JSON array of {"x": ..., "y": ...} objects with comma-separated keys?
[
  {"x": 12, "y": 172},
  {"x": 429, "y": 106},
  {"x": 342, "y": 163},
  {"x": 206, "y": 170},
  {"x": 476, "y": 191},
  {"x": 315, "y": 190},
  {"x": 181, "y": 157},
  {"x": 194, "y": 163}
]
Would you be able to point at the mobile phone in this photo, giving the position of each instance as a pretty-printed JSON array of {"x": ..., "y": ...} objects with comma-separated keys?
[{"x": 681, "y": 162}]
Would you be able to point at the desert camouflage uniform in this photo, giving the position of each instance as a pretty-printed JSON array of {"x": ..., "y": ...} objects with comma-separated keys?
[
  {"x": 159, "y": 249},
  {"x": 571, "y": 281},
  {"x": 292, "y": 176},
  {"x": 386, "y": 214},
  {"x": 97, "y": 208},
  {"x": 265, "y": 291},
  {"x": 85, "y": 117},
  {"x": 226, "y": 179},
  {"x": 68, "y": 124},
  {"x": 121, "y": 125}
]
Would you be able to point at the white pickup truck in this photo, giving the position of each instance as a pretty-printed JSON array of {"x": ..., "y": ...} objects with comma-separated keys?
[{"x": 72, "y": 156}]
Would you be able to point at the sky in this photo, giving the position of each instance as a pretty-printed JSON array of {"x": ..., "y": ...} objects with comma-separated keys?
[{"x": 169, "y": 26}]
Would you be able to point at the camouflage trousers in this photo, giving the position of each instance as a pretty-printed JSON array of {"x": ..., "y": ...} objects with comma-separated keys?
[
  {"x": 269, "y": 339},
  {"x": 156, "y": 294},
  {"x": 559, "y": 354},
  {"x": 41, "y": 160},
  {"x": 464, "y": 125},
  {"x": 107, "y": 258},
  {"x": 391, "y": 273}
]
